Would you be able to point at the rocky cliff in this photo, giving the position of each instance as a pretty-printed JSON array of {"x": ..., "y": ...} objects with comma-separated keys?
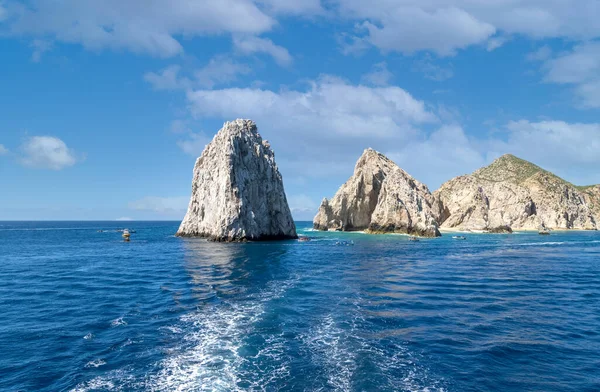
[
  {"x": 380, "y": 197},
  {"x": 515, "y": 193},
  {"x": 237, "y": 190}
]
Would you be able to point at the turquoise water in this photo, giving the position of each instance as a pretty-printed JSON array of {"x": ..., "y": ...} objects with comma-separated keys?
[{"x": 82, "y": 310}]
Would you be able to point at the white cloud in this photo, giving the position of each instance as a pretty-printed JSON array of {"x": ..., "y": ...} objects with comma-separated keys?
[
  {"x": 411, "y": 29},
  {"x": 218, "y": 71},
  {"x": 379, "y": 75},
  {"x": 303, "y": 7},
  {"x": 320, "y": 131},
  {"x": 496, "y": 42},
  {"x": 414, "y": 25},
  {"x": 141, "y": 26},
  {"x": 581, "y": 68},
  {"x": 252, "y": 44},
  {"x": 168, "y": 79},
  {"x": 47, "y": 152},
  {"x": 440, "y": 156},
  {"x": 194, "y": 143},
  {"x": 328, "y": 106},
  {"x": 541, "y": 54},
  {"x": 161, "y": 205},
  {"x": 124, "y": 219},
  {"x": 40, "y": 47},
  {"x": 3, "y": 150}
]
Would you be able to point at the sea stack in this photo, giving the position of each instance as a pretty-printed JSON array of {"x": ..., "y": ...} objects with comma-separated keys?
[
  {"x": 517, "y": 194},
  {"x": 237, "y": 190},
  {"x": 380, "y": 197}
]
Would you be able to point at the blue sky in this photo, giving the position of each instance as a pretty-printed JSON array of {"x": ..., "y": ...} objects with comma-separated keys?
[{"x": 107, "y": 104}]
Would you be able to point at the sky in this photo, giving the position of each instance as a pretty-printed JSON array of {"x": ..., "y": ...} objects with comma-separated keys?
[{"x": 106, "y": 104}]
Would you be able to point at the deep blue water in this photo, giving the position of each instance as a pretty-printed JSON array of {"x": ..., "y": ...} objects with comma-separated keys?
[{"x": 82, "y": 310}]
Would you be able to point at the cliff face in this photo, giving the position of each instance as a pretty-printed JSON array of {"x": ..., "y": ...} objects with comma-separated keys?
[
  {"x": 380, "y": 197},
  {"x": 591, "y": 194},
  {"x": 516, "y": 193},
  {"x": 237, "y": 190}
]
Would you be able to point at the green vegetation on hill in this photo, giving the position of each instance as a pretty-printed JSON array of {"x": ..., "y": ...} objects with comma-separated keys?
[{"x": 510, "y": 168}]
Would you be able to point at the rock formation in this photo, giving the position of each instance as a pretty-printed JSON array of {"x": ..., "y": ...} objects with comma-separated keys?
[
  {"x": 237, "y": 190},
  {"x": 515, "y": 193},
  {"x": 380, "y": 197}
]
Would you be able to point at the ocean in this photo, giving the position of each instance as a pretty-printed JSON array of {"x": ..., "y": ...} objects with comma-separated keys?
[{"x": 82, "y": 310}]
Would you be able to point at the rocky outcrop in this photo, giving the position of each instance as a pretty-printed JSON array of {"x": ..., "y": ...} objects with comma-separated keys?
[
  {"x": 380, "y": 197},
  {"x": 237, "y": 190},
  {"x": 515, "y": 193},
  {"x": 591, "y": 194}
]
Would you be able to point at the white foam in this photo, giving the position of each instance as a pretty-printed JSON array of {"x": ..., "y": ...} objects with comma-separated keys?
[
  {"x": 88, "y": 336},
  {"x": 212, "y": 356},
  {"x": 117, "y": 322},
  {"x": 95, "y": 363}
]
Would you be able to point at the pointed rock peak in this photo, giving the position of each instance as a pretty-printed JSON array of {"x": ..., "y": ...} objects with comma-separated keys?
[
  {"x": 373, "y": 158},
  {"x": 509, "y": 168},
  {"x": 239, "y": 126}
]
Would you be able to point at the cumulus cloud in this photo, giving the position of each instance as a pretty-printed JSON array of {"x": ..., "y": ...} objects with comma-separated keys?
[
  {"x": 321, "y": 130},
  {"x": 581, "y": 68},
  {"x": 549, "y": 141},
  {"x": 161, "y": 205},
  {"x": 412, "y": 25},
  {"x": 379, "y": 75},
  {"x": 252, "y": 44},
  {"x": 3, "y": 150},
  {"x": 140, "y": 26},
  {"x": 436, "y": 157},
  {"x": 443, "y": 30},
  {"x": 47, "y": 152}
]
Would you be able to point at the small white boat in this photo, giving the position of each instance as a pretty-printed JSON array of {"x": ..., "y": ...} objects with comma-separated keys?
[
  {"x": 126, "y": 235},
  {"x": 459, "y": 237}
]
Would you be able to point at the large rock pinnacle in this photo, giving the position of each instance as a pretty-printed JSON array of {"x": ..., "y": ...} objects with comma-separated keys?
[{"x": 237, "y": 190}]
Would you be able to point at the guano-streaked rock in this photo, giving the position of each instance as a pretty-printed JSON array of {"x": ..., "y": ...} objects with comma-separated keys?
[
  {"x": 237, "y": 190},
  {"x": 380, "y": 197}
]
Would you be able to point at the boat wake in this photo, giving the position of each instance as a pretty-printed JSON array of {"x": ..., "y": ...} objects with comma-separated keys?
[{"x": 222, "y": 348}]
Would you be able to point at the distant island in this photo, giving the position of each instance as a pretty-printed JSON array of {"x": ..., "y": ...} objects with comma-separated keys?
[{"x": 238, "y": 195}]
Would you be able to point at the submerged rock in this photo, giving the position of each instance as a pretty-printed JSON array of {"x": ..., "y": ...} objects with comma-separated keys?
[
  {"x": 380, "y": 197},
  {"x": 515, "y": 193},
  {"x": 237, "y": 190}
]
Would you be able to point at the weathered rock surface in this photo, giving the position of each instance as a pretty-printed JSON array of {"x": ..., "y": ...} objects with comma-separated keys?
[
  {"x": 515, "y": 193},
  {"x": 237, "y": 190},
  {"x": 380, "y": 197}
]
